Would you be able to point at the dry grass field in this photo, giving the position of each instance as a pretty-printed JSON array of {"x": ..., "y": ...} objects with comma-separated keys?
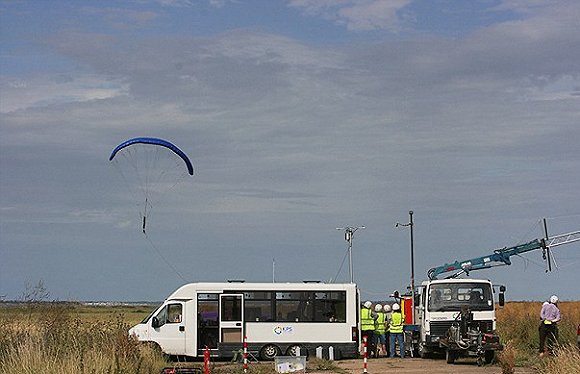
[
  {"x": 518, "y": 324},
  {"x": 70, "y": 338},
  {"x": 67, "y": 338}
]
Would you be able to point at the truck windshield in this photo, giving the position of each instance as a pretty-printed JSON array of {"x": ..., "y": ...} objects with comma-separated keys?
[{"x": 453, "y": 296}]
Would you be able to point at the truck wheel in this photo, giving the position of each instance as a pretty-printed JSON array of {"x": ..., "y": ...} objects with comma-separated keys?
[
  {"x": 489, "y": 356},
  {"x": 423, "y": 352},
  {"x": 450, "y": 356}
]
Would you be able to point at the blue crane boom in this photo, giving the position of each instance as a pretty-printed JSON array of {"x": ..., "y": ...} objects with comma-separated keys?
[{"x": 501, "y": 256}]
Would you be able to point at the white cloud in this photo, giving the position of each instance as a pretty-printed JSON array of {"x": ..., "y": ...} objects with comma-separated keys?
[
  {"x": 292, "y": 140},
  {"x": 190, "y": 3},
  {"x": 43, "y": 91},
  {"x": 526, "y": 6},
  {"x": 220, "y": 3},
  {"x": 120, "y": 17},
  {"x": 175, "y": 3},
  {"x": 565, "y": 87},
  {"x": 356, "y": 15}
]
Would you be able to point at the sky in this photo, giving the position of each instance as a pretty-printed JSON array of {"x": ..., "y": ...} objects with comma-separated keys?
[{"x": 300, "y": 117}]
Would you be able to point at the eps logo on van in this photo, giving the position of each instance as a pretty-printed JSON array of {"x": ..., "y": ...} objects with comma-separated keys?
[{"x": 283, "y": 330}]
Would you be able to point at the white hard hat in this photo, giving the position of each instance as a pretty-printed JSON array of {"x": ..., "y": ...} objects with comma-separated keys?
[
  {"x": 545, "y": 303},
  {"x": 368, "y": 304},
  {"x": 396, "y": 306},
  {"x": 553, "y": 299},
  {"x": 387, "y": 308},
  {"x": 378, "y": 308}
]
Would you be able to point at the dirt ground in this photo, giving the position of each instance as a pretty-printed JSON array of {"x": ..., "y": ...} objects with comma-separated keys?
[{"x": 418, "y": 365}]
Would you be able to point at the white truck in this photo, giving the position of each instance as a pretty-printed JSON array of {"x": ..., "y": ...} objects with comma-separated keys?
[{"x": 457, "y": 316}]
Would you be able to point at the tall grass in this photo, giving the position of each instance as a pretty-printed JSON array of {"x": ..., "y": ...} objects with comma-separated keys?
[
  {"x": 506, "y": 359},
  {"x": 48, "y": 338},
  {"x": 566, "y": 360},
  {"x": 518, "y": 324},
  {"x": 66, "y": 338}
]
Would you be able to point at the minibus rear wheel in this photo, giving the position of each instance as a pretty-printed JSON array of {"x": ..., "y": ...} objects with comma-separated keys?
[
  {"x": 293, "y": 350},
  {"x": 269, "y": 351}
]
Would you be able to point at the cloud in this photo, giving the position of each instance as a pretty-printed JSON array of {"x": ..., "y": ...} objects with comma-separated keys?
[
  {"x": 220, "y": 3},
  {"x": 526, "y": 6},
  {"x": 121, "y": 18},
  {"x": 286, "y": 134},
  {"x": 20, "y": 93},
  {"x": 244, "y": 88},
  {"x": 250, "y": 83},
  {"x": 356, "y": 15},
  {"x": 175, "y": 3},
  {"x": 190, "y": 3},
  {"x": 544, "y": 43},
  {"x": 564, "y": 87}
]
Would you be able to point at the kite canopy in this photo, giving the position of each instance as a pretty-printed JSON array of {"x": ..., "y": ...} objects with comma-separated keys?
[
  {"x": 150, "y": 167},
  {"x": 155, "y": 141}
]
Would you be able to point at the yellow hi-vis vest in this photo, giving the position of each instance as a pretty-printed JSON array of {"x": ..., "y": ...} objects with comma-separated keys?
[
  {"x": 366, "y": 320},
  {"x": 380, "y": 323},
  {"x": 396, "y": 326}
]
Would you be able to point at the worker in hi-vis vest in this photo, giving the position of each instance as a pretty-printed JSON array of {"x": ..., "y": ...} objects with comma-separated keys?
[
  {"x": 387, "y": 310},
  {"x": 367, "y": 325},
  {"x": 396, "y": 331},
  {"x": 380, "y": 330}
]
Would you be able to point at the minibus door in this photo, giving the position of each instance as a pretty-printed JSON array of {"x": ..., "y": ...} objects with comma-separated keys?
[
  {"x": 168, "y": 328},
  {"x": 231, "y": 318}
]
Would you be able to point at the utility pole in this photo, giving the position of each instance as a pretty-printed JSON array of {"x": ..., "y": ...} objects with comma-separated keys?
[
  {"x": 410, "y": 225},
  {"x": 348, "y": 234}
]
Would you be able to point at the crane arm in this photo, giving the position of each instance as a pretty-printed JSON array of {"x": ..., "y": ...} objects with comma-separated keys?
[
  {"x": 562, "y": 239},
  {"x": 501, "y": 256}
]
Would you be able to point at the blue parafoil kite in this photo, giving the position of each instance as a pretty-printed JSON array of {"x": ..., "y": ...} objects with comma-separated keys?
[
  {"x": 150, "y": 166},
  {"x": 154, "y": 141}
]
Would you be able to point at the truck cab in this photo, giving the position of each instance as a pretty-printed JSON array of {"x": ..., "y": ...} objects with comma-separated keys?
[{"x": 441, "y": 303}]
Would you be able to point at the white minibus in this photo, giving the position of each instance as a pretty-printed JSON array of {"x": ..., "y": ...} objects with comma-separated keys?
[{"x": 276, "y": 319}]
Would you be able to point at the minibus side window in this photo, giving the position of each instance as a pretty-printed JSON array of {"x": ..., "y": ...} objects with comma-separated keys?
[
  {"x": 174, "y": 313},
  {"x": 330, "y": 306},
  {"x": 258, "y": 306}
]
